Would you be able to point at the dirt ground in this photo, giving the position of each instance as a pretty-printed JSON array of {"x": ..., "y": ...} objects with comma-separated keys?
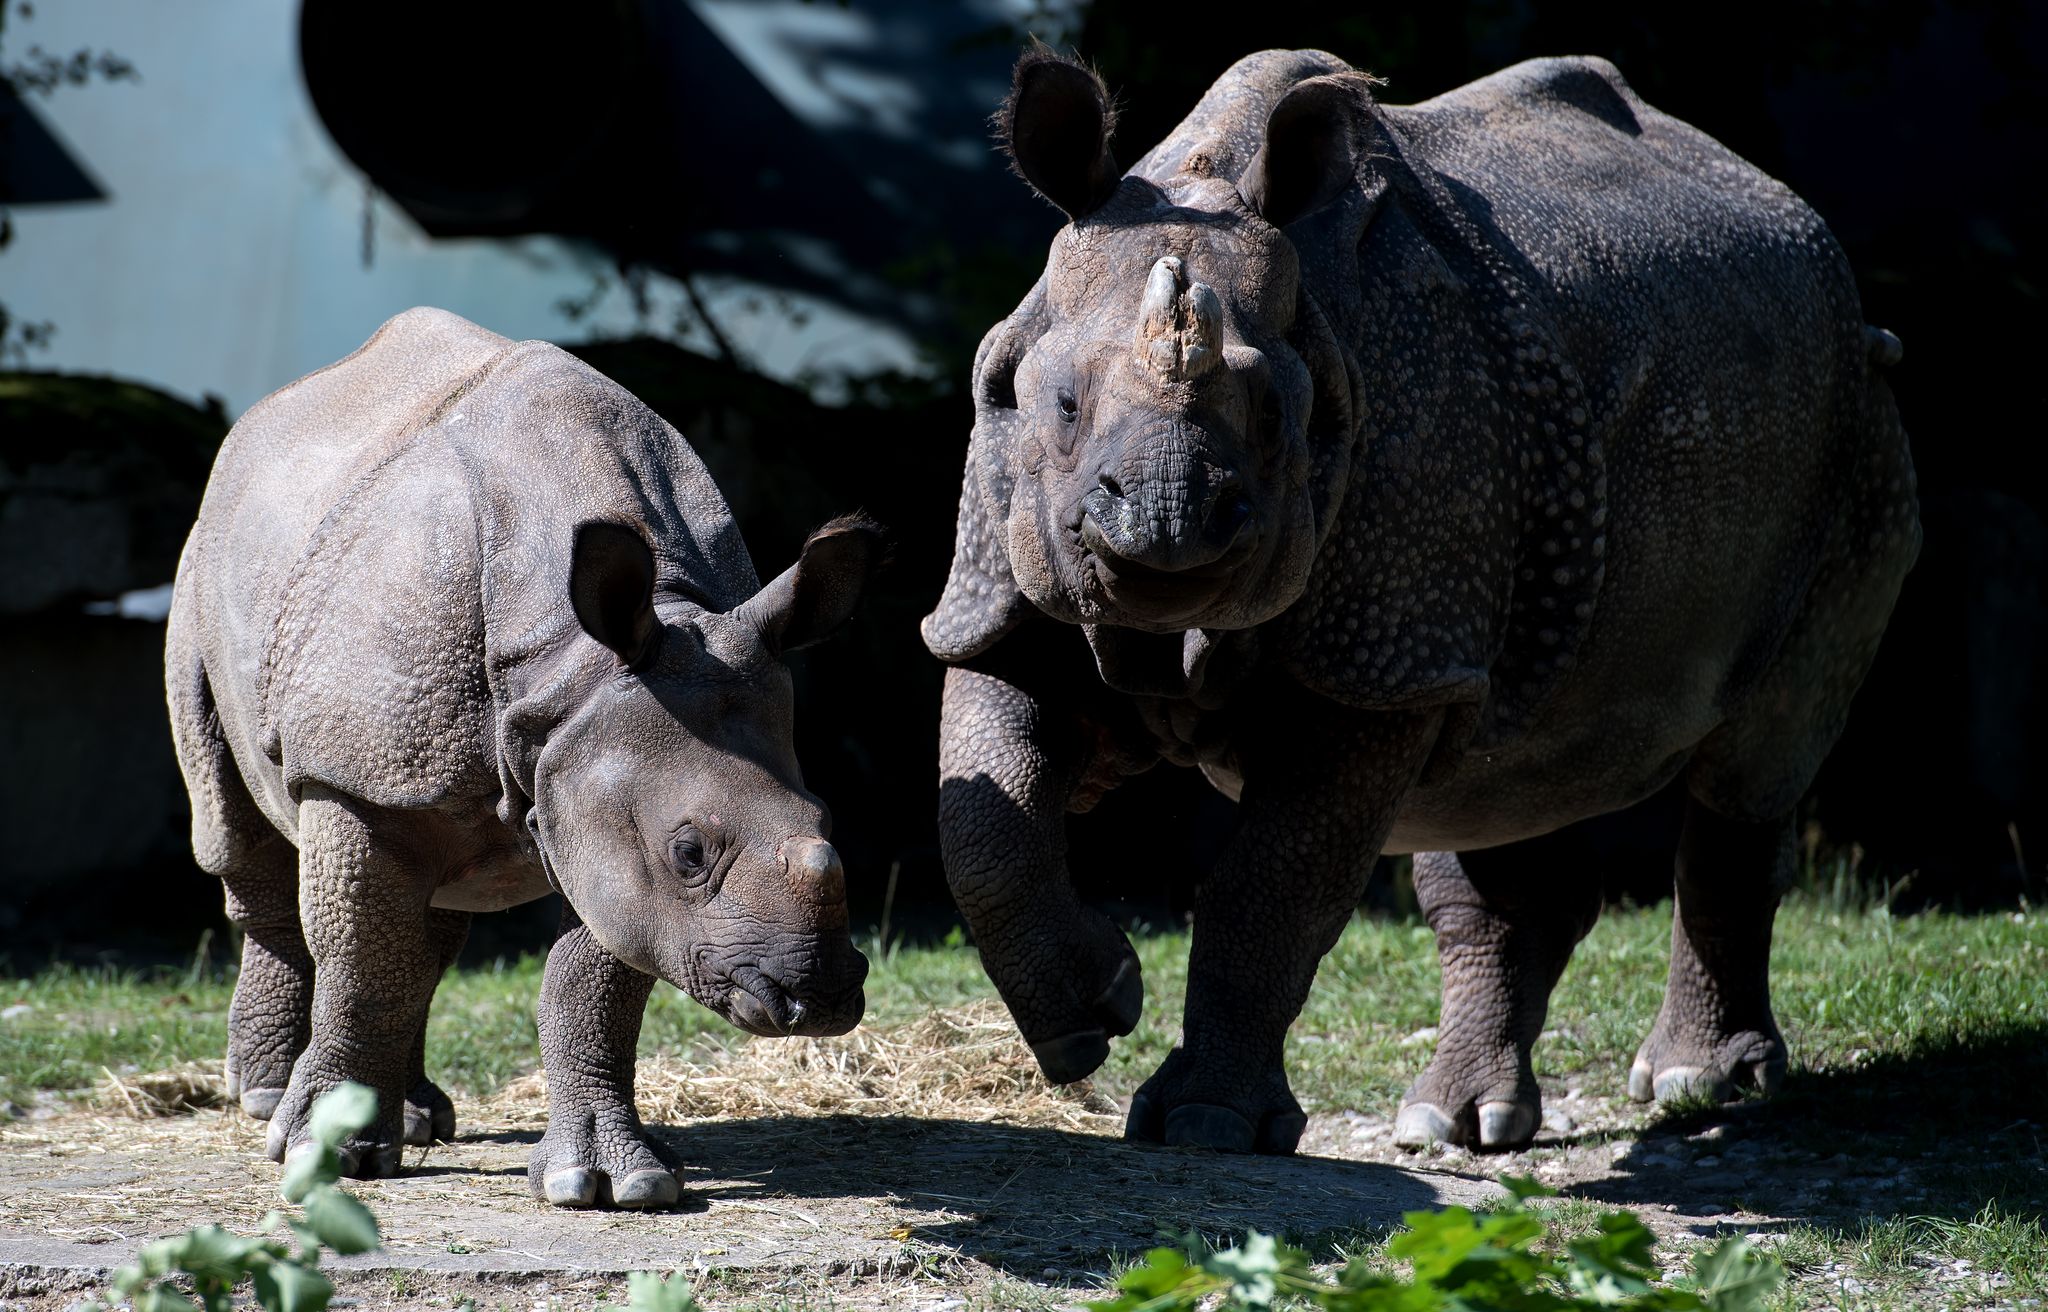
[
  {"x": 775, "y": 1199},
  {"x": 930, "y": 1168}
]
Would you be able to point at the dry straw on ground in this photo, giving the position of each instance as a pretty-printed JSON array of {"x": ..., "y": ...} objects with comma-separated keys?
[
  {"x": 185, "y": 1088},
  {"x": 964, "y": 1063}
]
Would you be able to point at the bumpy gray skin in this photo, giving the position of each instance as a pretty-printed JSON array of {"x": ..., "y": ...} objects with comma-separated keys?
[
  {"x": 460, "y": 621},
  {"x": 1433, "y": 478}
]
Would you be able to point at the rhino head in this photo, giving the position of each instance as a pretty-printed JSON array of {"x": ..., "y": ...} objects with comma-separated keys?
[
  {"x": 667, "y": 804},
  {"x": 1151, "y": 414}
]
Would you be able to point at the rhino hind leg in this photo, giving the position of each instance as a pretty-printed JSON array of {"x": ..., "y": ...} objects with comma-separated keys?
[
  {"x": 1506, "y": 920},
  {"x": 430, "y": 1113},
  {"x": 595, "y": 1152},
  {"x": 363, "y": 903},
  {"x": 1715, "y": 1033},
  {"x": 271, "y": 1015}
]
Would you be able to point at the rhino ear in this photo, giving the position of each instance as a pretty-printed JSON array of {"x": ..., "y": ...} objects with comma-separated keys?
[
  {"x": 1055, "y": 124},
  {"x": 810, "y": 600},
  {"x": 611, "y": 586},
  {"x": 1310, "y": 152}
]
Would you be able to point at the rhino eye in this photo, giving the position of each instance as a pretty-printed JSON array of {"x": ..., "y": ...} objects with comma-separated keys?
[
  {"x": 686, "y": 853},
  {"x": 1069, "y": 409}
]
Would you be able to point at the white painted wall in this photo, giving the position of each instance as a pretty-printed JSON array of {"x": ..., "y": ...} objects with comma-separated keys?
[{"x": 228, "y": 258}]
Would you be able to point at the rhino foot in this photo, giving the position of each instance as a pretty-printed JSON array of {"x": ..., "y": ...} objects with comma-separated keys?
[
  {"x": 1490, "y": 1105},
  {"x": 260, "y": 1103},
  {"x": 1115, "y": 1009},
  {"x": 600, "y": 1161},
  {"x": 371, "y": 1155},
  {"x": 429, "y": 1114},
  {"x": 1184, "y": 1105},
  {"x": 1678, "y": 1067}
]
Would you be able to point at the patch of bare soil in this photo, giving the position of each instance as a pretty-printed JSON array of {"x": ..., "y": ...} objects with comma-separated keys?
[
  {"x": 925, "y": 1164},
  {"x": 872, "y": 1170}
]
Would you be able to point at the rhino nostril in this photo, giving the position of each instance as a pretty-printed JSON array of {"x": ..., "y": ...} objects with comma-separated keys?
[{"x": 1107, "y": 482}]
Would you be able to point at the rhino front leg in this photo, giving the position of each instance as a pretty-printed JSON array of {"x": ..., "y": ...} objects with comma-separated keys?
[
  {"x": 430, "y": 1113},
  {"x": 1715, "y": 1032},
  {"x": 1009, "y": 765},
  {"x": 272, "y": 1011},
  {"x": 1506, "y": 920},
  {"x": 1321, "y": 789},
  {"x": 364, "y": 883},
  {"x": 595, "y": 1153}
]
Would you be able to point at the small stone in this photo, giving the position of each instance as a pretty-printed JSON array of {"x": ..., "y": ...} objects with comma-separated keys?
[
  {"x": 1559, "y": 1122},
  {"x": 17, "y": 1011},
  {"x": 1427, "y": 1034},
  {"x": 1709, "y": 1160},
  {"x": 1704, "y": 1209},
  {"x": 1711, "y": 1134}
]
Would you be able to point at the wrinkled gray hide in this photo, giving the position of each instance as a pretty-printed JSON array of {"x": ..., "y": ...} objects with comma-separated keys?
[
  {"x": 1433, "y": 477},
  {"x": 460, "y": 620}
]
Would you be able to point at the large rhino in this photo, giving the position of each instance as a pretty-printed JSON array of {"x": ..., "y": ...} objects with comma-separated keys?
[
  {"x": 1432, "y": 477},
  {"x": 461, "y": 621}
]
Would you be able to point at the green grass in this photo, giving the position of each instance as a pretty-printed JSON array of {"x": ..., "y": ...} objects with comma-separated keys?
[{"x": 1853, "y": 988}]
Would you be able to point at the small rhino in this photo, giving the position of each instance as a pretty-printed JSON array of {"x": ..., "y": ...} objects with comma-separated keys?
[
  {"x": 1433, "y": 478},
  {"x": 462, "y": 621}
]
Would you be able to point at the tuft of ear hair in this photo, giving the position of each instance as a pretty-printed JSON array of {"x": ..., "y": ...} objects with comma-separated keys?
[{"x": 1055, "y": 126}]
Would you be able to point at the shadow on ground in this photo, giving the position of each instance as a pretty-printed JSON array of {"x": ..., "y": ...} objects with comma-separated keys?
[
  {"x": 1938, "y": 1132},
  {"x": 1027, "y": 1199},
  {"x": 828, "y": 1196}
]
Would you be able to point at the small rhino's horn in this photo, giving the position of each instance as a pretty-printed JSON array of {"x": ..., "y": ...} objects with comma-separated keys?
[
  {"x": 1201, "y": 334},
  {"x": 1180, "y": 324}
]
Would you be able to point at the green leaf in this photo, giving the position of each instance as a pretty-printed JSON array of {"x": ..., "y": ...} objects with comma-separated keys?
[
  {"x": 304, "y": 1171},
  {"x": 340, "y": 1112},
  {"x": 163, "y": 1298},
  {"x": 340, "y": 1221},
  {"x": 1733, "y": 1277},
  {"x": 1255, "y": 1268},
  {"x": 1616, "y": 1263},
  {"x": 291, "y": 1287},
  {"x": 1525, "y": 1187},
  {"x": 211, "y": 1253},
  {"x": 648, "y": 1292},
  {"x": 1166, "y": 1280}
]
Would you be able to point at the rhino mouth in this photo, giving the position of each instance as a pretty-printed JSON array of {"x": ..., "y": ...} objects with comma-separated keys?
[
  {"x": 1158, "y": 595},
  {"x": 761, "y": 1005}
]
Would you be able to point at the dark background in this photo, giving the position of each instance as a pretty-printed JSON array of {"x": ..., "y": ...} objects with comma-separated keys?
[{"x": 1914, "y": 128}]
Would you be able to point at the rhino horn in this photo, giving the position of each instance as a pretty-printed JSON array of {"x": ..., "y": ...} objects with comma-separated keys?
[{"x": 1180, "y": 324}]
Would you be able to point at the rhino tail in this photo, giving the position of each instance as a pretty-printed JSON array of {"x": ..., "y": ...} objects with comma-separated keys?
[{"x": 1883, "y": 348}]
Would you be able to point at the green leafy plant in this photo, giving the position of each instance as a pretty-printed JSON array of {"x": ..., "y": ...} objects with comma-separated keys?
[
  {"x": 647, "y": 1292},
  {"x": 1458, "y": 1259},
  {"x": 283, "y": 1278}
]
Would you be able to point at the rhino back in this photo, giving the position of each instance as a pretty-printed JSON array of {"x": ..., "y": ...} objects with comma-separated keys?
[
  {"x": 1711, "y": 322},
  {"x": 386, "y": 543},
  {"x": 1705, "y": 328}
]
